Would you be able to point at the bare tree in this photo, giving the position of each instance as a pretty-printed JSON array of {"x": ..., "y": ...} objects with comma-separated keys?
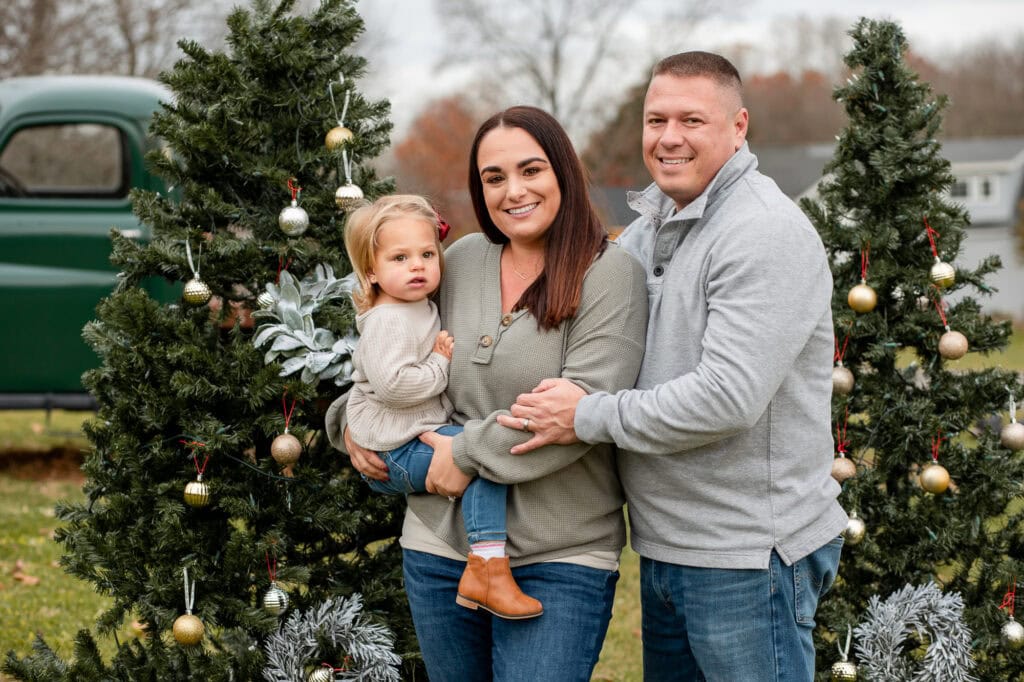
[{"x": 557, "y": 55}]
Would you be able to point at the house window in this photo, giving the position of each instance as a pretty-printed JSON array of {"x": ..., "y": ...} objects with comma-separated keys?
[
  {"x": 958, "y": 190},
  {"x": 67, "y": 160},
  {"x": 987, "y": 189}
]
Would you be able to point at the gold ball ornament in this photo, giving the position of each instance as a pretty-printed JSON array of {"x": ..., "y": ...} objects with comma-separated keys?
[
  {"x": 844, "y": 671},
  {"x": 337, "y": 137},
  {"x": 286, "y": 449},
  {"x": 348, "y": 197},
  {"x": 842, "y": 380},
  {"x": 196, "y": 291},
  {"x": 942, "y": 274},
  {"x": 843, "y": 468},
  {"x": 1012, "y": 436},
  {"x": 293, "y": 220},
  {"x": 855, "y": 530},
  {"x": 275, "y": 600},
  {"x": 934, "y": 479},
  {"x": 1012, "y": 634},
  {"x": 197, "y": 493},
  {"x": 188, "y": 630},
  {"x": 321, "y": 674},
  {"x": 862, "y": 298},
  {"x": 952, "y": 345}
]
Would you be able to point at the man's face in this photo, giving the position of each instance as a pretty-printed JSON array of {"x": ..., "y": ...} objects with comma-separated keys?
[{"x": 692, "y": 126}]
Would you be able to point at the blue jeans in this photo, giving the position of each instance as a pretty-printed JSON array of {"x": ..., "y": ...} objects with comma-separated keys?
[
  {"x": 483, "y": 502},
  {"x": 727, "y": 625},
  {"x": 460, "y": 645}
]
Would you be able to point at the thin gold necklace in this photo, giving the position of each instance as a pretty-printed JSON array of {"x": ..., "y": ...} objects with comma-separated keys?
[{"x": 525, "y": 278}]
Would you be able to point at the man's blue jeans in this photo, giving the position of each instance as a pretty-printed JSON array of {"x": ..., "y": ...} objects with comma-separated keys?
[
  {"x": 483, "y": 502},
  {"x": 723, "y": 625},
  {"x": 460, "y": 645}
]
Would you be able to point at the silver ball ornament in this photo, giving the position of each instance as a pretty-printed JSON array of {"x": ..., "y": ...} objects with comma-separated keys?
[
  {"x": 1012, "y": 436},
  {"x": 293, "y": 220},
  {"x": 196, "y": 291},
  {"x": 1012, "y": 634},
  {"x": 265, "y": 300},
  {"x": 855, "y": 530},
  {"x": 275, "y": 600},
  {"x": 942, "y": 274},
  {"x": 197, "y": 493},
  {"x": 348, "y": 197},
  {"x": 862, "y": 298},
  {"x": 842, "y": 380},
  {"x": 844, "y": 671},
  {"x": 953, "y": 345},
  {"x": 321, "y": 674},
  {"x": 934, "y": 479}
]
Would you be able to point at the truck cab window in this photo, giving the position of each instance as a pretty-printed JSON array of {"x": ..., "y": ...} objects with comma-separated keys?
[{"x": 79, "y": 160}]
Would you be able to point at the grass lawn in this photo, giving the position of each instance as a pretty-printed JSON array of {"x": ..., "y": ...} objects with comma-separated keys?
[{"x": 32, "y": 479}]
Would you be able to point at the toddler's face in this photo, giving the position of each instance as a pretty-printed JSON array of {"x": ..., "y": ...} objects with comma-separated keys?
[{"x": 406, "y": 265}]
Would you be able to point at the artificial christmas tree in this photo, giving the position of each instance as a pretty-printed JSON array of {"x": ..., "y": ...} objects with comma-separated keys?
[
  {"x": 187, "y": 397},
  {"x": 911, "y": 411}
]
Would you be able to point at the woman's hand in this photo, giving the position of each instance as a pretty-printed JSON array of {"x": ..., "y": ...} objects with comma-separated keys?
[
  {"x": 443, "y": 477},
  {"x": 366, "y": 462}
]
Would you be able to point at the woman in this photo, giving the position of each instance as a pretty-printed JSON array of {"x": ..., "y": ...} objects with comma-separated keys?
[{"x": 540, "y": 293}]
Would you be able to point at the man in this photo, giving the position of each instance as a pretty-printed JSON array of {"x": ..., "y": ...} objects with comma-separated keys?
[{"x": 725, "y": 443}]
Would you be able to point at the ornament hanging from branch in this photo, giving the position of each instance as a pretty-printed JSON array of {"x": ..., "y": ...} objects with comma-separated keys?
[
  {"x": 293, "y": 219},
  {"x": 275, "y": 600},
  {"x": 842, "y": 466},
  {"x": 188, "y": 629},
  {"x": 862, "y": 298},
  {"x": 952, "y": 344},
  {"x": 842, "y": 377},
  {"x": 943, "y": 275},
  {"x": 855, "y": 529},
  {"x": 1012, "y": 435},
  {"x": 844, "y": 670},
  {"x": 197, "y": 492},
  {"x": 196, "y": 291},
  {"x": 286, "y": 448},
  {"x": 1012, "y": 633},
  {"x": 934, "y": 477},
  {"x": 339, "y": 135}
]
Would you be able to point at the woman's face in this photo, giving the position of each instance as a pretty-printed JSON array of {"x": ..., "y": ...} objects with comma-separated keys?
[{"x": 520, "y": 187}]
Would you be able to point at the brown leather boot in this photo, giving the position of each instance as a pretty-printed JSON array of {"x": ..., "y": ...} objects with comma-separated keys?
[{"x": 488, "y": 584}]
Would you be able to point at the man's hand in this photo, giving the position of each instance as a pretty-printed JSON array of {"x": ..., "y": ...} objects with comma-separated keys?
[
  {"x": 366, "y": 462},
  {"x": 550, "y": 410},
  {"x": 443, "y": 477}
]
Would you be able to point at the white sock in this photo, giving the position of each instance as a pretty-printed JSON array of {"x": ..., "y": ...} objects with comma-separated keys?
[{"x": 488, "y": 550}]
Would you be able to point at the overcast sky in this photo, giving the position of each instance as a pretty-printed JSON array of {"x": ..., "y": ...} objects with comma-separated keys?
[{"x": 411, "y": 37}]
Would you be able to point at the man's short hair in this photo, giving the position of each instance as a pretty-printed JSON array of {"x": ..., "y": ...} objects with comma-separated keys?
[{"x": 701, "y": 64}]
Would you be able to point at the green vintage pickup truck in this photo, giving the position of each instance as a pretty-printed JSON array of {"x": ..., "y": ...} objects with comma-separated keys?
[{"x": 71, "y": 148}]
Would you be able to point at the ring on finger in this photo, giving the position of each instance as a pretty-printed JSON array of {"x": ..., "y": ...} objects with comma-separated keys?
[{"x": 526, "y": 424}]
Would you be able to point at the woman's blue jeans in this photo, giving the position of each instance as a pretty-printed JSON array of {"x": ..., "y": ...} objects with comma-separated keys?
[
  {"x": 724, "y": 625},
  {"x": 483, "y": 502},
  {"x": 461, "y": 645}
]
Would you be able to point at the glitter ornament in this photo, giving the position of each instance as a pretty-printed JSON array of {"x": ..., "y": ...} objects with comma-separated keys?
[
  {"x": 275, "y": 600},
  {"x": 855, "y": 530},
  {"x": 286, "y": 449},
  {"x": 862, "y": 298},
  {"x": 942, "y": 274},
  {"x": 197, "y": 493},
  {"x": 337, "y": 136},
  {"x": 322, "y": 674},
  {"x": 844, "y": 670},
  {"x": 293, "y": 220},
  {"x": 843, "y": 468},
  {"x": 1012, "y": 634},
  {"x": 348, "y": 197},
  {"x": 842, "y": 379},
  {"x": 934, "y": 478},
  {"x": 952, "y": 345},
  {"x": 188, "y": 630},
  {"x": 196, "y": 291}
]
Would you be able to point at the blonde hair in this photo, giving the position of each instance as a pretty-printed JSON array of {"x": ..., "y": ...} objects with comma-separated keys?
[{"x": 361, "y": 230}]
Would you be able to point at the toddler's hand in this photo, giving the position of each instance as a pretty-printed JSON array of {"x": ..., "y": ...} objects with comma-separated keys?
[{"x": 444, "y": 344}]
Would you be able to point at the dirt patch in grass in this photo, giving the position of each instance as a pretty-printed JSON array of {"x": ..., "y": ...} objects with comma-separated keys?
[{"x": 61, "y": 463}]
